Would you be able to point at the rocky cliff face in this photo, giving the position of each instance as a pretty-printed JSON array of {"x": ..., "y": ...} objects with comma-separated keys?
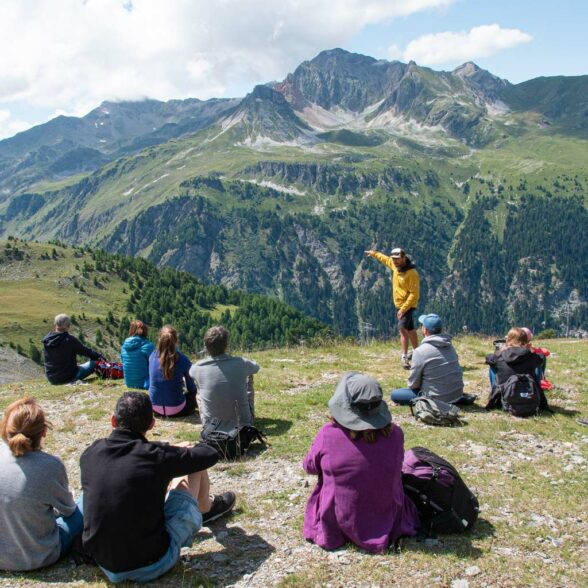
[
  {"x": 265, "y": 114},
  {"x": 334, "y": 179}
]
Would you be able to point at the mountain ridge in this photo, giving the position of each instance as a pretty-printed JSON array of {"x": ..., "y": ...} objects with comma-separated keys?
[{"x": 276, "y": 200}]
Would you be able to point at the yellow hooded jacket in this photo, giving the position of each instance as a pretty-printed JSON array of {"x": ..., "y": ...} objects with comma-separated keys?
[{"x": 405, "y": 284}]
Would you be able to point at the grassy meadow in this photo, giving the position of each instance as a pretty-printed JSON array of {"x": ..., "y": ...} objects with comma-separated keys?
[{"x": 530, "y": 476}]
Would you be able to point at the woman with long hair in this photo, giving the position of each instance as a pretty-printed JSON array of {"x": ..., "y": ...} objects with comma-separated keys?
[
  {"x": 357, "y": 457},
  {"x": 168, "y": 371},
  {"x": 33, "y": 486},
  {"x": 135, "y": 352}
]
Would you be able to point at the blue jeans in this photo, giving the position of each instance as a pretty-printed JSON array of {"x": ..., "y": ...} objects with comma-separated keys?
[
  {"x": 182, "y": 520},
  {"x": 85, "y": 370},
  {"x": 404, "y": 396},
  {"x": 70, "y": 527}
]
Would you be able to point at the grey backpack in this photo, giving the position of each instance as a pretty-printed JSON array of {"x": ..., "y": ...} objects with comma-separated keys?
[{"x": 435, "y": 412}]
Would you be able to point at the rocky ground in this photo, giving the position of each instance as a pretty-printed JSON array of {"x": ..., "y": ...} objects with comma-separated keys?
[{"x": 530, "y": 477}]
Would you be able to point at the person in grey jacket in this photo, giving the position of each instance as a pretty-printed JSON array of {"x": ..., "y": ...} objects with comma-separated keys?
[
  {"x": 225, "y": 383},
  {"x": 435, "y": 371}
]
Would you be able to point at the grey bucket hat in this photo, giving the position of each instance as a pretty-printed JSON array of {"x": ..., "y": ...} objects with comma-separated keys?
[{"x": 358, "y": 403}]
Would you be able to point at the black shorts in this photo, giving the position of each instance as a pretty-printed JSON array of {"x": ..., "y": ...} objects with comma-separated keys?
[{"x": 407, "y": 320}]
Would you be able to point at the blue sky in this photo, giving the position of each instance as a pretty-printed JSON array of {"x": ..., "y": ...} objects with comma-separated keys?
[
  {"x": 559, "y": 30},
  {"x": 67, "y": 56}
]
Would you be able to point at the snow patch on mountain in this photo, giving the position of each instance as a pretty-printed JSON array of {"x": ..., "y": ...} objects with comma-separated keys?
[{"x": 278, "y": 187}]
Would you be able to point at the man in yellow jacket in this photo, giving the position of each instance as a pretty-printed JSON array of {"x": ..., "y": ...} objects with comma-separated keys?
[{"x": 405, "y": 293}]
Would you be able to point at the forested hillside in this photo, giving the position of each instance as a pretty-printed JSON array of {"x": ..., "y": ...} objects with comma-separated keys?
[{"x": 104, "y": 292}]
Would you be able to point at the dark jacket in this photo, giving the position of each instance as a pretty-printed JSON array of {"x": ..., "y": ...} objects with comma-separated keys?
[
  {"x": 124, "y": 481},
  {"x": 60, "y": 352},
  {"x": 514, "y": 360}
]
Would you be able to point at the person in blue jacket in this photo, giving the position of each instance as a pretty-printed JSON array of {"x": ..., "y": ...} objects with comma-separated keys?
[
  {"x": 168, "y": 371},
  {"x": 135, "y": 352}
]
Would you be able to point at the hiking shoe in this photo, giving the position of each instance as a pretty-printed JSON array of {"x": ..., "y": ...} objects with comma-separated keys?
[
  {"x": 583, "y": 422},
  {"x": 221, "y": 505},
  {"x": 405, "y": 362}
]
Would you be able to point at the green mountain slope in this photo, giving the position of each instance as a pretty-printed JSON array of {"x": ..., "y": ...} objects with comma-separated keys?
[
  {"x": 103, "y": 292},
  {"x": 284, "y": 193}
]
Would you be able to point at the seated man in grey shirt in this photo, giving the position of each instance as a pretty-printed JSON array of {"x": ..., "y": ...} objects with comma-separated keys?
[{"x": 224, "y": 382}]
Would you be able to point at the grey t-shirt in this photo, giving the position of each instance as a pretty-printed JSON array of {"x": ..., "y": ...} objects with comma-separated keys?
[
  {"x": 33, "y": 488},
  {"x": 222, "y": 389}
]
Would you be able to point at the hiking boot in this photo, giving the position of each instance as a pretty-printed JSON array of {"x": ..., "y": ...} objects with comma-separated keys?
[
  {"x": 221, "y": 505},
  {"x": 405, "y": 362}
]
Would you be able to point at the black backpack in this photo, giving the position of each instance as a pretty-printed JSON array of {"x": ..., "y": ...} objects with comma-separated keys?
[
  {"x": 444, "y": 503},
  {"x": 520, "y": 395},
  {"x": 233, "y": 444}
]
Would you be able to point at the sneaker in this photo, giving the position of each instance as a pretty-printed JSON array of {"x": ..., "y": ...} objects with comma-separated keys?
[
  {"x": 583, "y": 422},
  {"x": 221, "y": 505},
  {"x": 409, "y": 355},
  {"x": 405, "y": 362}
]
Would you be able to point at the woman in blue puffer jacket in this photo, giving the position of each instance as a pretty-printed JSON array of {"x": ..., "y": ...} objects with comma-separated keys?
[{"x": 135, "y": 353}]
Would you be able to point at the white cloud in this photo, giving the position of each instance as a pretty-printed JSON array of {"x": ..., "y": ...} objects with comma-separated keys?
[
  {"x": 9, "y": 125},
  {"x": 449, "y": 47},
  {"x": 72, "y": 54}
]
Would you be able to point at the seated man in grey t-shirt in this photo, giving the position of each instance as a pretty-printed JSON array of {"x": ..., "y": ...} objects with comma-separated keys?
[{"x": 224, "y": 382}]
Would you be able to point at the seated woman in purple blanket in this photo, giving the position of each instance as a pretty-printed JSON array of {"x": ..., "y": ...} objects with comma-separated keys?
[{"x": 357, "y": 457}]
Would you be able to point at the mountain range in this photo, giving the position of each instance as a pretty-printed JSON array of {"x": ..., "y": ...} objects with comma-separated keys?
[{"x": 281, "y": 191}]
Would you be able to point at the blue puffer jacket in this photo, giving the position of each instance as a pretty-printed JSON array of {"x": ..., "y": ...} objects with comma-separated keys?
[{"x": 135, "y": 353}]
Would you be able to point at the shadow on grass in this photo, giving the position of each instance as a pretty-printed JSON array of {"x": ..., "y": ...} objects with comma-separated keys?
[
  {"x": 62, "y": 572},
  {"x": 457, "y": 544},
  {"x": 273, "y": 427},
  {"x": 569, "y": 412},
  {"x": 472, "y": 408},
  {"x": 241, "y": 554}
]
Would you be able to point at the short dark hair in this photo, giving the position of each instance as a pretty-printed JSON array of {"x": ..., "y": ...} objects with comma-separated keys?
[
  {"x": 216, "y": 340},
  {"x": 134, "y": 412}
]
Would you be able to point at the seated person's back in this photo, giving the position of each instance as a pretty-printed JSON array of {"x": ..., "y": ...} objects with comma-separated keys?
[
  {"x": 514, "y": 358},
  {"x": 135, "y": 352},
  {"x": 33, "y": 487},
  {"x": 358, "y": 457},
  {"x": 125, "y": 480},
  {"x": 221, "y": 380},
  {"x": 168, "y": 372},
  {"x": 435, "y": 371},
  {"x": 60, "y": 351}
]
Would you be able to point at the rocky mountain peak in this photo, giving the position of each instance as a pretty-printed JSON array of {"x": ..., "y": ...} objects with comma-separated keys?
[
  {"x": 340, "y": 61},
  {"x": 481, "y": 80}
]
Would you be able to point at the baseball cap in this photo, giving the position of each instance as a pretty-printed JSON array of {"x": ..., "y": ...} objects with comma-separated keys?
[
  {"x": 431, "y": 322},
  {"x": 397, "y": 252}
]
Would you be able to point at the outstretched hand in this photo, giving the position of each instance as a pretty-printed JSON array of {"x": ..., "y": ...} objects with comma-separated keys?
[{"x": 369, "y": 252}]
